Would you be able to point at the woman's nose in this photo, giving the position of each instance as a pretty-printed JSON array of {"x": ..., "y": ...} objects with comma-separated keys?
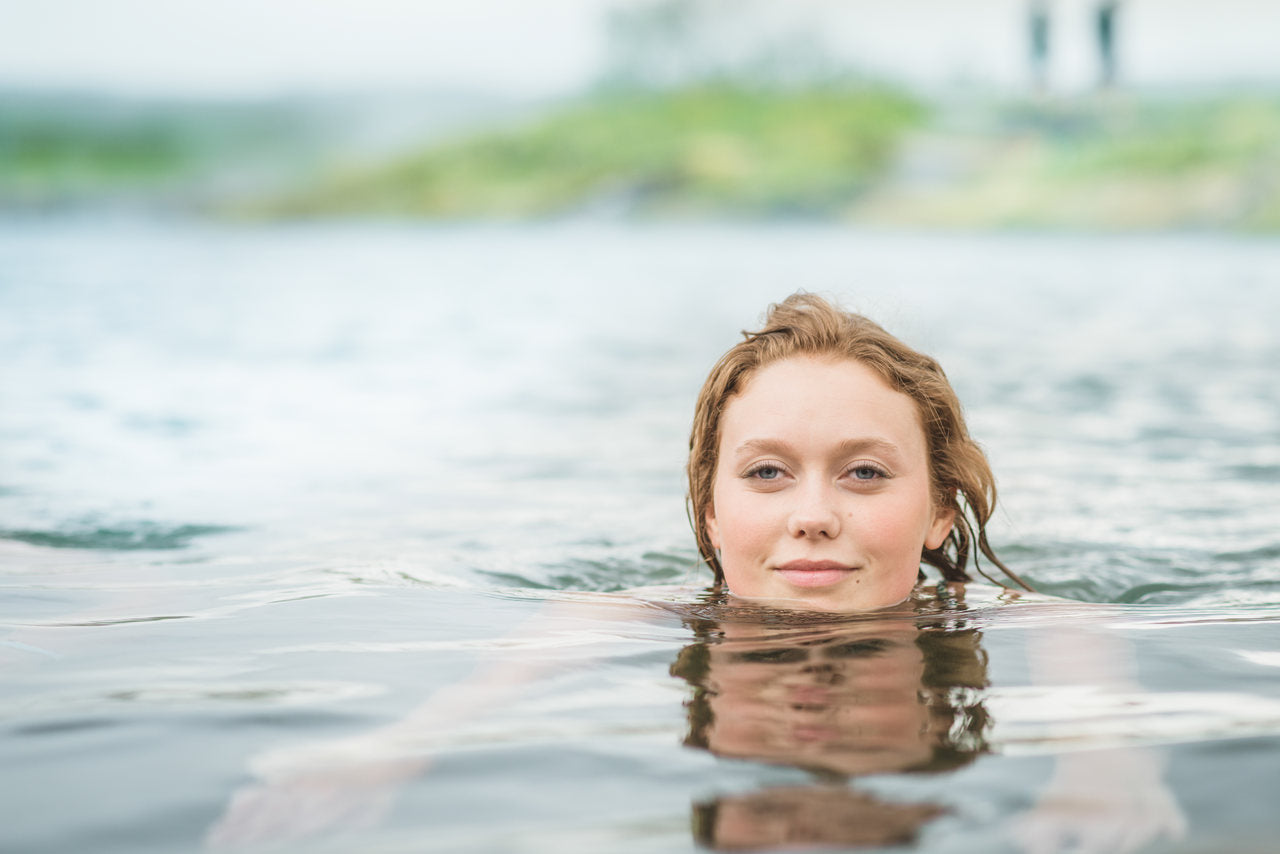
[{"x": 814, "y": 515}]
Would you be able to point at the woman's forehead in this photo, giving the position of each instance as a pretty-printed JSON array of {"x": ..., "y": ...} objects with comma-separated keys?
[{"x": 842, "y": 400}]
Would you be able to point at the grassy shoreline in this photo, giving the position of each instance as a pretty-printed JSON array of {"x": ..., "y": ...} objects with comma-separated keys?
[
  {"x": 868, "y": 155},
  {"x": 874, "y": 157},
  {"x": 701, "y": 151},
  {"x": 1109, "y": 163}
]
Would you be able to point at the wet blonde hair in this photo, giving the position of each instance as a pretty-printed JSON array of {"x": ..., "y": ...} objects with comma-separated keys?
[{"x": 807, "y": 325}]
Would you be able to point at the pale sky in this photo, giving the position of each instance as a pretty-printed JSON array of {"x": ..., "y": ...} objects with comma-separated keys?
[
  {"x": 551, "y": 47},
  {"x": 257, "y": 46}
]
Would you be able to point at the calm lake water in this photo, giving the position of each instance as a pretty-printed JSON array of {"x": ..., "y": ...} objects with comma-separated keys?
[{"x": 321, "y": 537}]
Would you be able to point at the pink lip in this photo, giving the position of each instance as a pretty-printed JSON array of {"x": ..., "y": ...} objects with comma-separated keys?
[{"x": 814, "y": 573}]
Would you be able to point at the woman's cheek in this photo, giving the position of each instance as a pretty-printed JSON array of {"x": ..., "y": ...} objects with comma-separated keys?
[
  {"x": 751, "y": 524},
  {"x": 900, "y": 525}
]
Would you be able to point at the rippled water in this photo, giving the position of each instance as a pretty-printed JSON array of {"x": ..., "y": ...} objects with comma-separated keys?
[{"x": 317, "y": 535}]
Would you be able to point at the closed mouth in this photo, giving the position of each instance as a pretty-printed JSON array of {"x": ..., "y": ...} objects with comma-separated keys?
[{"x": 814, "y": 573}]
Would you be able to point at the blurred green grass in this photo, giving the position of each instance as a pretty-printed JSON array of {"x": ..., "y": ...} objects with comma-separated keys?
[
  {"x": 867, "y": 154},
  {"x": 45, "y": 159},
  {"x": 1112, "y": 162},
  {"x": 65, "y": 150},
  {"x": 44, "y": 152},
  {"x": 708, "y": 150},
  {"x": 1171, "y": 138}
]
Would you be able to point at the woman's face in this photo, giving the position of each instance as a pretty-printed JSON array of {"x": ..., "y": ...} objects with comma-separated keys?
[{"x": 822, "y": 493}]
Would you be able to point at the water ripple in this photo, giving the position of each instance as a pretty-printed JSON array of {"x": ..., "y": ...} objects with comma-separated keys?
[{"x": 143, "y": 536}]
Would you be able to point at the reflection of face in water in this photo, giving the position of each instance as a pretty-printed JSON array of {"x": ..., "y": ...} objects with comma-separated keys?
[
  {"x": 865, "y": 697},
  {"x": 808, "y": 816}
]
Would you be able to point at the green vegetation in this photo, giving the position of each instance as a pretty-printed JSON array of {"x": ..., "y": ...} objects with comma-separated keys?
[
  {"x": 65, "y": 150},
  {"x": 871, "y": 155},
  {"x": 709, "y": 150},
  {"x": 1204, "y": 164},
  {"x": 46, "y": 158},
  {"x": 44, "y": 151},
  {"x": 1108, "y": 163},
  {"x": 1172, "y": 139}
]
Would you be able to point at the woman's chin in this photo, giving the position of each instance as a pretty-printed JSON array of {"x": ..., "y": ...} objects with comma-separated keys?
[{"x": 823, "y": 600}]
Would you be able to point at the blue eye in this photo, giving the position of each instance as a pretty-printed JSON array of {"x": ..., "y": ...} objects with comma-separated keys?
[
  {"x": 765, "y": 471},
  {"x": 866, "y": 473}
]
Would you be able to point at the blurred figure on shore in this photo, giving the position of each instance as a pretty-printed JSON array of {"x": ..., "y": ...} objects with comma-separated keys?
[
  {"x": 1105, "y": 30},
  {"x": 1038, "y": 31}
]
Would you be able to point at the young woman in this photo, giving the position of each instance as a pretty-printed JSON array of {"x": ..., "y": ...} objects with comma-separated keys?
[{"x": 828, "y": 460}]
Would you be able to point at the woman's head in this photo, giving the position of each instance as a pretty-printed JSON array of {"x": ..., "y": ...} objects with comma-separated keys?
[{"x": 815, "y": 424}]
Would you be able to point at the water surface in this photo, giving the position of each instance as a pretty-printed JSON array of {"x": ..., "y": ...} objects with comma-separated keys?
[{"x": 320, "y": 536}]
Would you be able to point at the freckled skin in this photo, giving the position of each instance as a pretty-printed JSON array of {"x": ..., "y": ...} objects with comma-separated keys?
[{"x": 821, "y": 462}]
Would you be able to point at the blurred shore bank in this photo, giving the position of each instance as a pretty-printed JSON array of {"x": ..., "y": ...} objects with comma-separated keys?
[{"x": 864, "y": 154}]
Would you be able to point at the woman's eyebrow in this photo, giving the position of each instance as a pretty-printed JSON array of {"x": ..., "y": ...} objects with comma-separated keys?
[
  {"x": 868, "y": 444},
  {"x": 762, "y": 446}
]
